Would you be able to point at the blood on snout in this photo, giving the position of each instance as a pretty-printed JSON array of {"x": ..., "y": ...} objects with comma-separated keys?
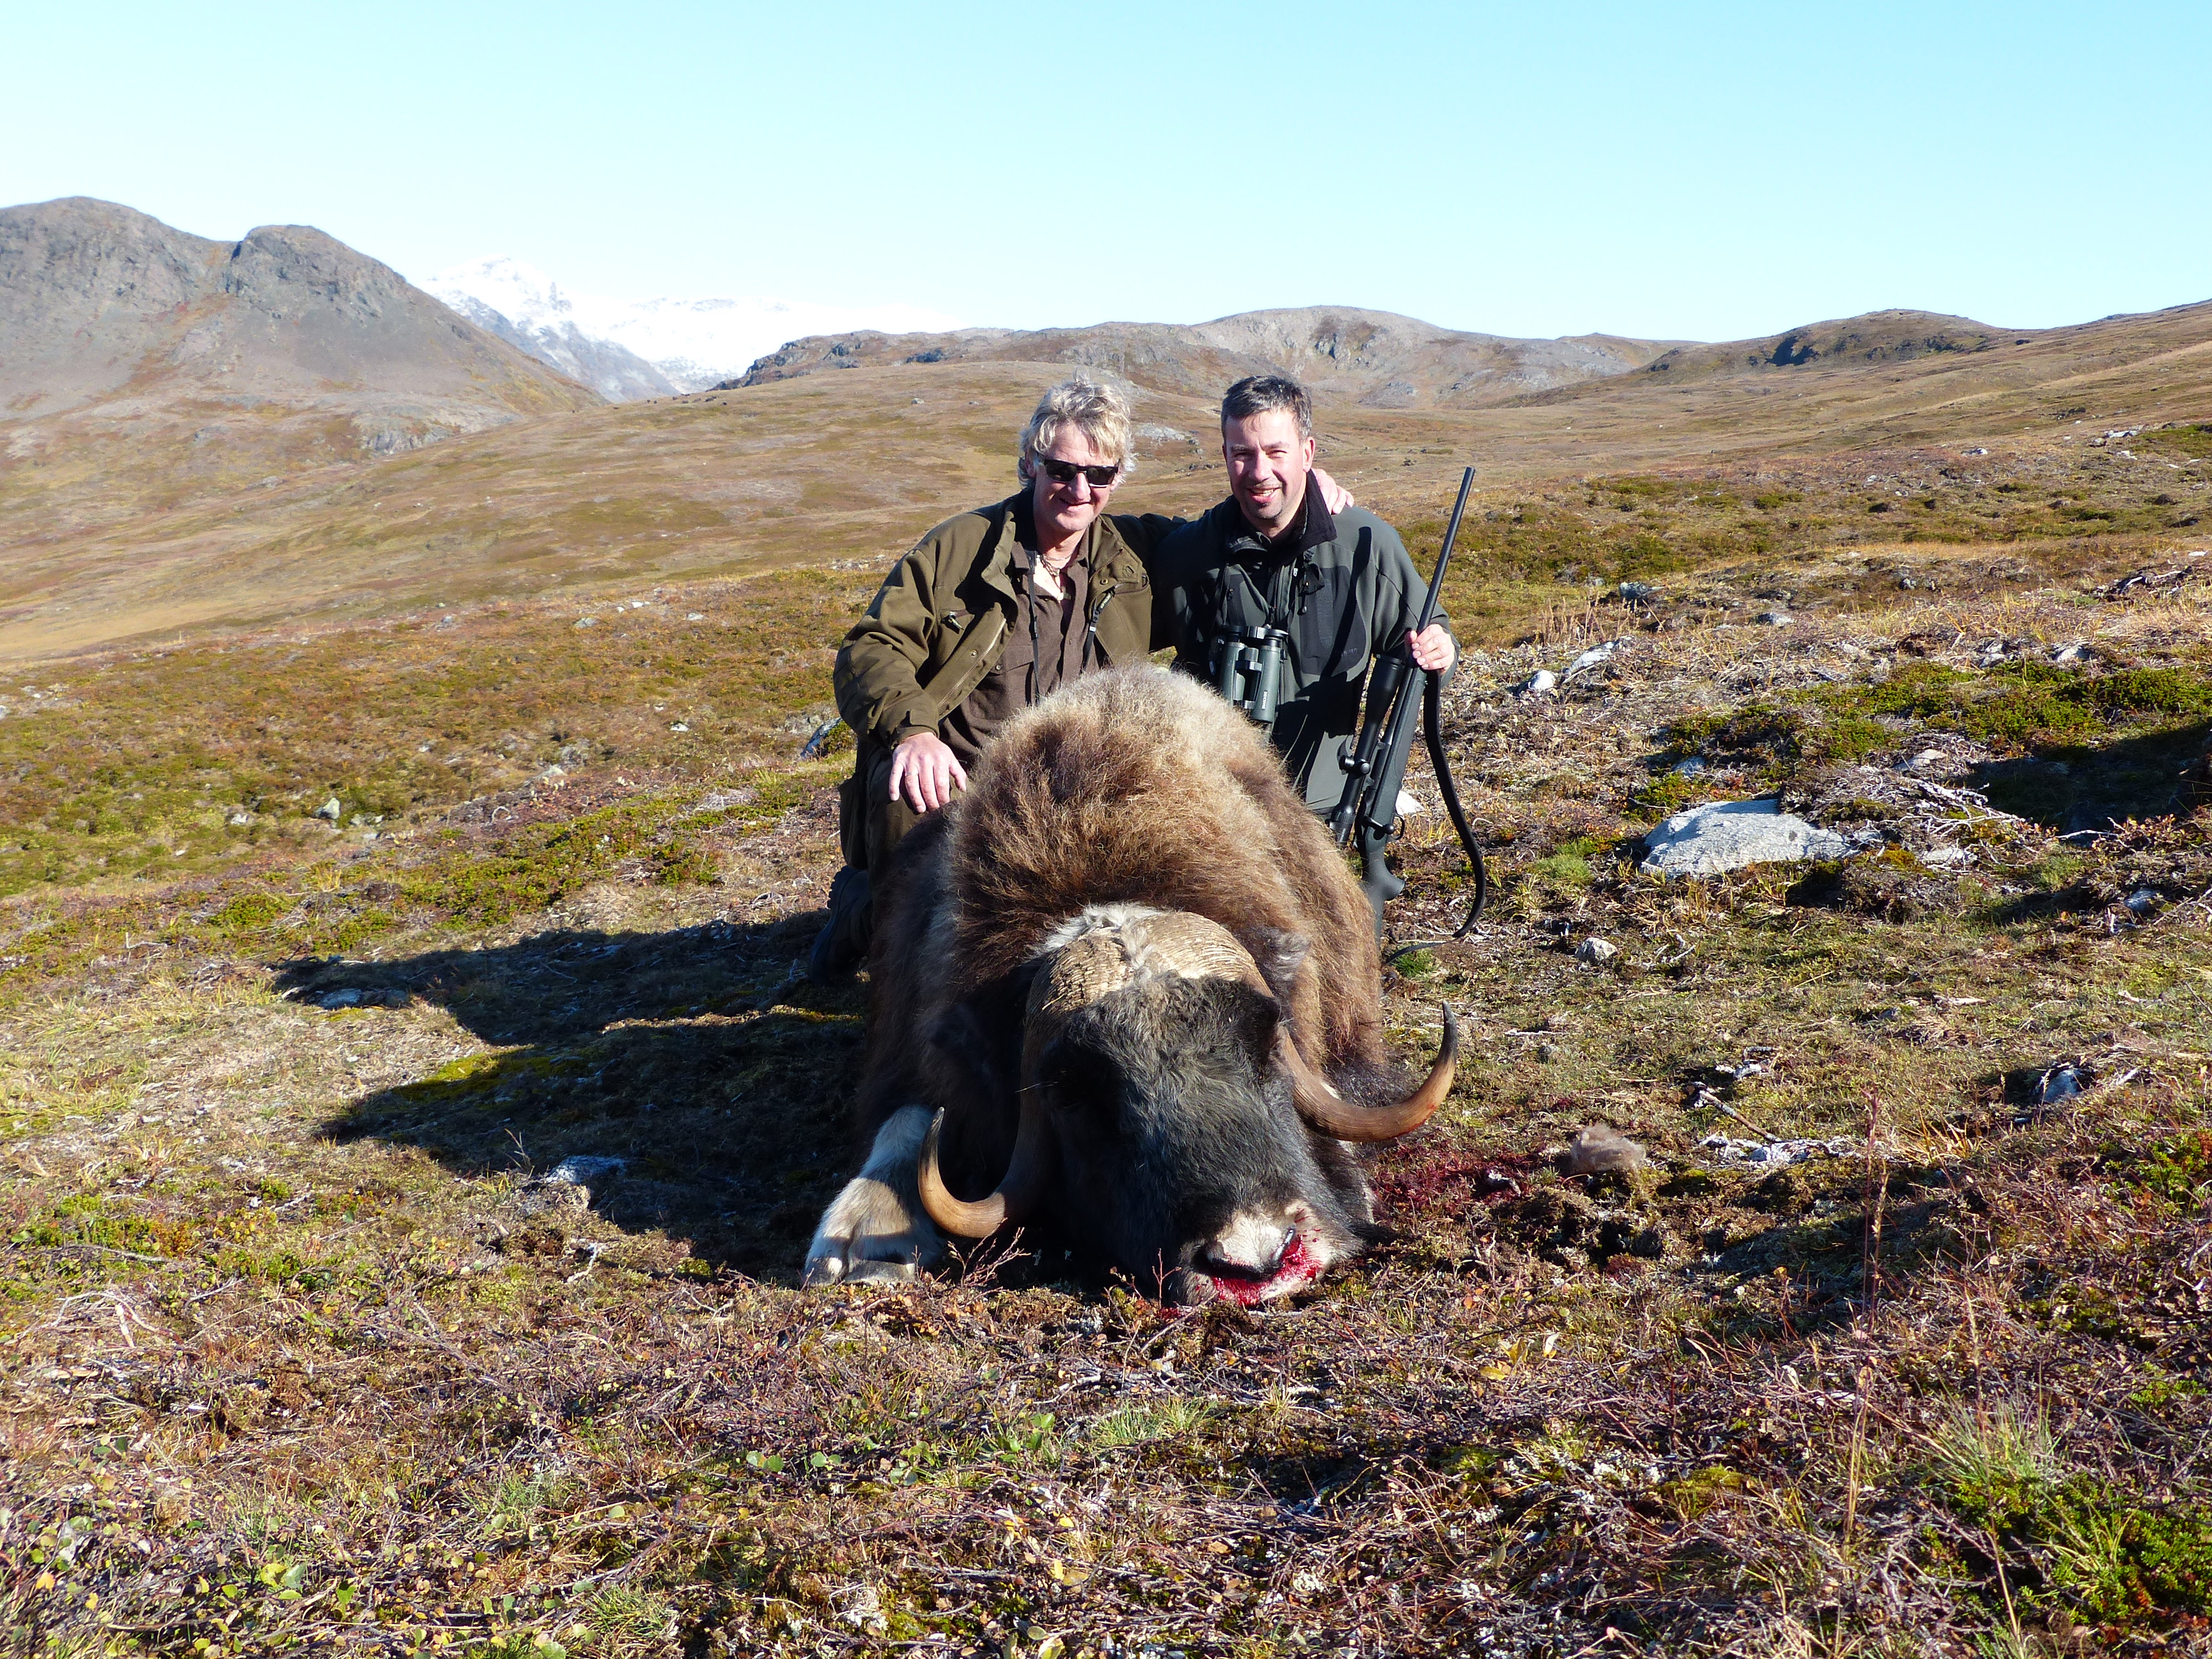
[{"x": 1298, "y": 1267}]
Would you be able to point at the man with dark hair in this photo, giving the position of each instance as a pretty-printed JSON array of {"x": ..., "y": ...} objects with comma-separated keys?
[{"x": 1274, "y": 566}]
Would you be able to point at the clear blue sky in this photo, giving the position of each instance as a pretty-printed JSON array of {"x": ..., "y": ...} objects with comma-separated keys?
[{"x": 1687, "y": 171}]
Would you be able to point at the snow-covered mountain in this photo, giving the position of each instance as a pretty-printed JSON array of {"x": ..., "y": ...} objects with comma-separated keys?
[{"x": 627, "y": 348}]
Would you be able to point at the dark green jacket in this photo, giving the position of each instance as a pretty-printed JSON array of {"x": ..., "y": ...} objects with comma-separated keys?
[
  {"x": 938, "y": 623},
  {"x": 1345, "y": 589}
]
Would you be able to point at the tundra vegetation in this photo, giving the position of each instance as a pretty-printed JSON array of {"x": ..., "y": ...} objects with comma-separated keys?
[{"x": 309, "y": 1347}]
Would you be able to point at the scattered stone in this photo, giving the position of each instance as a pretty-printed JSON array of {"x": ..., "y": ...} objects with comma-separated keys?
[
  {"x": 1989, "y": 653},
  {"x": 1600, "y": 1149},
  {"x": 1946, "y": 857},
  {"x": 1977, "y": 452},
  {"x": 679, "y": 726},
  {"x": 721, "y": 800},
  {"x": 1537, "y": 685},
  {"x": 581, "y": 1172},
  {"x": 1596, "y": 952},
  {"x": 2060, "y": 1083},
  {"x": 695, "y": 616},
  {"x": 812, "y": 749},
  {"x": 348, "y": 998},
  {"x": 1774, "y": 1154},
  {"x": 1638, "y": 592},
  {"x": 1686, "y": 769},
  {"x": 1597, "y": 657},
  {"x": 2142, "y": 901},
  {"x": 1925, "y": 759},
  {"x": 330, "y": 809},
  {"x": 1906, "y": 584},
  {"x": 239, "y": 820},
  {"x": 2074, "y": 652},
  {"x": 1728, "y": 835},
  {"x": 587, "y": 622},
  {"x": 1776, "y": 618},
  {"x": 1409, "y": 804}
]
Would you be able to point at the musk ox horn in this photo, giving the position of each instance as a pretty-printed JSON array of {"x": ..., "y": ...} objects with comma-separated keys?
[
  {"x": 1332, "y": 1114},
  {"x": 1020, "y": 1191}
]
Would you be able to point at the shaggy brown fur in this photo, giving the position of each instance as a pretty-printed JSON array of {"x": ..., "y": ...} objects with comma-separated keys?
[{"x": 1132, "y": 787}]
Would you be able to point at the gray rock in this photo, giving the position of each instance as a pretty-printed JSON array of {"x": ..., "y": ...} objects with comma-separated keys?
[
  {"x": 2070, "y": 654},
  {"x": 581, "y": 1172},
  {"x": 1596, "y": 952},
  {"x": 1728, "y": 835},
  {"x": 1597, "y": 657},
  {"x": 1538, "y": 683},
  {"x": 1686, "y": 769},
  {"x": 1776, "y": 618},
  {"x": 2060, "y": 1083},
  {"x": 1638, "y": 592},
  {"x": 330, "y": 809},
  {"x": 2142, "y": 901},
  {"x": 1774, "y": 1154}
]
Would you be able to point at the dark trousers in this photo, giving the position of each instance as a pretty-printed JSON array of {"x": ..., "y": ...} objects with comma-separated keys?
[{"x": 869, "y": 824}]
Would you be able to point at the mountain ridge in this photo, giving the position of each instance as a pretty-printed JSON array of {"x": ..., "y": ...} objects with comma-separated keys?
[{"x": 1378, "y": 359}]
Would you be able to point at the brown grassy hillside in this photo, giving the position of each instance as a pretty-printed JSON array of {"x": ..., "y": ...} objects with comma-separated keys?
[{"x": 302, "y": 1349}]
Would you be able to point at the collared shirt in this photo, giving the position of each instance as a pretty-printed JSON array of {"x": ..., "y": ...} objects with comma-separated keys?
[{"x": 1045, "y": 641}]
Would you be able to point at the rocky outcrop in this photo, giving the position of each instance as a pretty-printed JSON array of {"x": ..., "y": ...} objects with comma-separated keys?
[
  {"x": 1373, "y": 358},
  {"x": 97, "y": 300}
]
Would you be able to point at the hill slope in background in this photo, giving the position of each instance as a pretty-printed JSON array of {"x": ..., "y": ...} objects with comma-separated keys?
[
  {"x": 143, "y": 366},
  {"x": 213, "y": 457},
  {"x": 679, "y": 344},
  {"x": 1375, "y": 358}
]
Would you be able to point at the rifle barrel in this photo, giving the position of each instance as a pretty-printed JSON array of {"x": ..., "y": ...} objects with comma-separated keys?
[{"x": 1451, "y": 535}]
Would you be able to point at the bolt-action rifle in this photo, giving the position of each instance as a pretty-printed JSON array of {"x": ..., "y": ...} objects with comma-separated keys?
[{"x": 1376, "y": 766}]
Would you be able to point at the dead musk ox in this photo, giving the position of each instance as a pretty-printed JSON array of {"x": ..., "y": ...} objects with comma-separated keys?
[{"x": 1125, "y": 993}]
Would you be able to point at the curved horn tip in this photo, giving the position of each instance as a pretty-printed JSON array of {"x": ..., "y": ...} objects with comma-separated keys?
[{"x": 955, "y": 1215}]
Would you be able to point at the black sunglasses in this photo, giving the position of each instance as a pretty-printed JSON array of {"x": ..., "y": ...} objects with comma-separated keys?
[{"x": 1099, "y": 477}]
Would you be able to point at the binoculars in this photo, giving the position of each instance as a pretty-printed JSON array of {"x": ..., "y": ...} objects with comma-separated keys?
[{"x": 1248, "y": 670}]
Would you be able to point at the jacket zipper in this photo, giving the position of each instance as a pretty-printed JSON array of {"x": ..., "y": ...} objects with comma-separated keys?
[{"x": 1091, "y": 627}]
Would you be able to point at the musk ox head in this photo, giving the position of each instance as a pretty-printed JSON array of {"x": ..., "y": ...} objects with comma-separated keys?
[{"x": 1169, "y": 1126}]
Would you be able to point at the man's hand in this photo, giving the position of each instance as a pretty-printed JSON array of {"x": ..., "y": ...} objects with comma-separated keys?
[
  {"x": 928, "y": 769},
  {"x": 1334, "y": 495},
  {"x": 1432, "y": 647}
]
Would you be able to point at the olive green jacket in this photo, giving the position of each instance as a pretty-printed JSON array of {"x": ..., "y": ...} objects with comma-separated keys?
[{"x": 938, "y": 623}]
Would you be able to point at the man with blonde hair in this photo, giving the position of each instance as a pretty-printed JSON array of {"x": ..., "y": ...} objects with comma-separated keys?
[{"x": 993, "y": 610}]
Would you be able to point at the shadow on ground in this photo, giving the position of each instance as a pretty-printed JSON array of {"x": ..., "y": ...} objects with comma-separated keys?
[
  {"x": 2076, "y": 788},
  {"x": 694, "y": 1057}
]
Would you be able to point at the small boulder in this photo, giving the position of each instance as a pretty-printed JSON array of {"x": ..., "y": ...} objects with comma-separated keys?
[
  {"x": 330, "y": 809},
  {"x": 1538, "y": 683},
  {"x": 585, "y": 1171},
  {"x": 1728, "y": 835},
  {"x": 2060, "y": 1083},
  {"x": 1596, "y": 952},
  {"x": 1597, "y": 657}
]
